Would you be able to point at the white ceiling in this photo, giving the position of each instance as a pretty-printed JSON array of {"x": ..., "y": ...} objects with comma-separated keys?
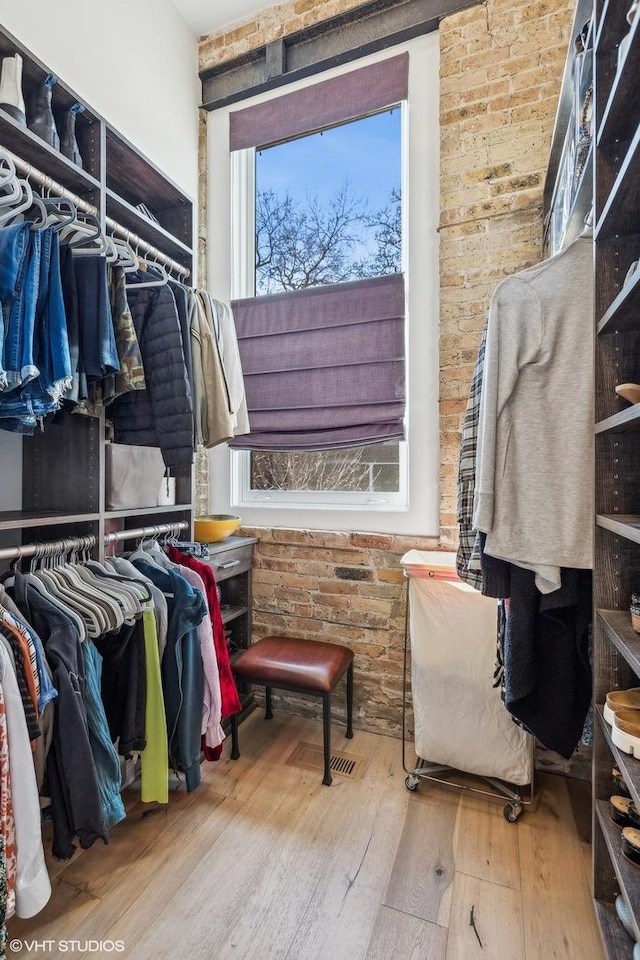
[{"x": 211, "y": 16}]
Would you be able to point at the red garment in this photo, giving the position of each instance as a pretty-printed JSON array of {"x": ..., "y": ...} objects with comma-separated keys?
[{"x": 228, "y": 690}]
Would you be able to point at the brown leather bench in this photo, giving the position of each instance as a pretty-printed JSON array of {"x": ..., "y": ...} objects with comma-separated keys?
[{"x": 301, "y": 666}]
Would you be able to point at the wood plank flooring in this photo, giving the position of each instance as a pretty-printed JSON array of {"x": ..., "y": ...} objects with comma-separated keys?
[{"x": 264, "y": 863}]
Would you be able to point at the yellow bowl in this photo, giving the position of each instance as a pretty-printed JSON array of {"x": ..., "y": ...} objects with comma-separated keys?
[{"x": 215, "y": 527}]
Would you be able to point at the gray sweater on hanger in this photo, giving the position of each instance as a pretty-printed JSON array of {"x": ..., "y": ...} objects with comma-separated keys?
[{"x": 534, "y": 479}]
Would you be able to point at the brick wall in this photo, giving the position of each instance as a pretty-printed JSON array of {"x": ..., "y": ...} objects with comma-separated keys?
[
  {"x": 274, "y": 23},
  {"x": 501, "y": 66},
  {"x": 347, "y": 587}
]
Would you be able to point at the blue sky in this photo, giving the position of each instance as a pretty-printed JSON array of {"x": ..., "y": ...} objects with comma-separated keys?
[{"x": 367, "y": 152}]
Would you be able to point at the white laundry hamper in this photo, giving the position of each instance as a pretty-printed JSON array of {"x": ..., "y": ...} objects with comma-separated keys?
[{"x": 460, "y": 720}]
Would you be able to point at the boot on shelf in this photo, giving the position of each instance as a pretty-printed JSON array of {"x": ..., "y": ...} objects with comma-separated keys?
[
  {"x": 66, "y": 123},
  {"x": 41, "y": 120},
  {"x": 11, "y": 99}
]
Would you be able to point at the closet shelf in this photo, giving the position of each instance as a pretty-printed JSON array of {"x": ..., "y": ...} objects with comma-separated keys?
[
  {"x": 154, "y": 233},
  {"x": 628, "y": 766},
  {"x": 612, "y": 25},
  {"x": 17, "y": 519},
  {"x": 613, "y": 933},
  {"x": 625, "y": 525},
  {"x": 627, "y": 873},
  {"x": 25, "y": 144},
  {"x": 619, "y": 216},
  {"x": 622, "y": 112},
  {"x": 625, "y": 421},
  {"x": 63, "y": 467},
  {"x": 135, "y": 177},
  {"x": 581, "y": 203},
  {"x": 232, "y": 613},
  {"x": 145, "y": 511},
  {"x": 623, "y": 312},
  {"x": 617, "y": 624},
  {"x": 565, "y": 107}
]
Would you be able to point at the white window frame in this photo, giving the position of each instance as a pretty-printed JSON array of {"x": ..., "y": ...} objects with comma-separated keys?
[
  {"x": 232, "y": 274},
  {"x": 243, "y": 284}
]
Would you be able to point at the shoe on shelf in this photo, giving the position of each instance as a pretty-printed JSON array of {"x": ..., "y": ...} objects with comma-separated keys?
[
  {"x": 625, "y": 732},
  {"x": 621, "y": 700},
  {"x": 619, "y": 784},
  {"x": 624, "y": 915},
  {"x": 631, "y": 844},
  {"x": 624, "y": 811}
]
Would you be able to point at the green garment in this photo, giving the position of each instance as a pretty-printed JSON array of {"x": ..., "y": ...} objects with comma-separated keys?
[{"x": 154, "y": 759}]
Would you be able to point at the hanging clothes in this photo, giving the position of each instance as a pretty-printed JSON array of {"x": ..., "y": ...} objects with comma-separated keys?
[
  {"x": 124, "y": 685},
  {"x": 228, "y": 690},
  {"x": 31, "y": 887},
  {"x": 182, "y": 671},
  {"x": 219, "y": 397},
  {"x": 162, "y": 414},
  {"x": 105, "y": 756},
  {"x": 211, "y": 729},
  {"x": 71, "y": 773},
  {"x": 539, "y": 362},
  {"x": 154, "y": 759},
  {"x": 468, "y": 564}
]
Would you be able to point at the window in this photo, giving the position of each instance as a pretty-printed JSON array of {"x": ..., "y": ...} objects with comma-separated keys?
[
  {"x": 232, "y": 187},
  {"x": 328, "y": 206},
  {"x": 327, "y": 210},
  {"x": 314, "y": 227}
]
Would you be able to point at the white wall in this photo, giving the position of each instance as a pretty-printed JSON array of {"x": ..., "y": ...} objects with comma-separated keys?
[
  {"x": 422, "y": 517},
  {"x": 134, "y": 61}
]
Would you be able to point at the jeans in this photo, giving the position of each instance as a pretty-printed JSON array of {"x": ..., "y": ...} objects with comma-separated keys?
[
  {"x": 98, "y": 353},
  {"x": 44, "y": 343},
  {"x": 20, "y": 249}
]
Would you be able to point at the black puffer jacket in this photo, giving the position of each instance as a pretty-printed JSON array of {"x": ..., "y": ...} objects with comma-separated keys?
[{"x": 162, "y": 415}]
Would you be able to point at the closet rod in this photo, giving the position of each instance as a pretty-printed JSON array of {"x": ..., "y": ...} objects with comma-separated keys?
[
  {"x": 152, "y": 531},
  {"x": 28, "y": 170},
  {"x": 68, "y": 543}
]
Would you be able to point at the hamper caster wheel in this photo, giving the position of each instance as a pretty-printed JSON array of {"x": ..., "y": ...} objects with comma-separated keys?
[
  {"x": 512, "y": 811},
  {"x": 411, "y": 782}
]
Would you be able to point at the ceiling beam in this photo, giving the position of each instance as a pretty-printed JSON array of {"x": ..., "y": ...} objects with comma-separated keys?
[{"x": 366, "y": 29}]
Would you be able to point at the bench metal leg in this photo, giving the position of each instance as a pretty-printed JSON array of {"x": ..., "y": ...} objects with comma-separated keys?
[
  {"x": 326, "y": 732},
  {"x": 268, "y": 712},
  {"x": 235, "y": 752},
  {"x": 349, "y": 732}
]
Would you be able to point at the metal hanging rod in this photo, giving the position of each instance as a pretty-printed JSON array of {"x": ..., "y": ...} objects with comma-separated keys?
[
  {"x": 29, "y": 171},
  {"x": 152, "y": 531},
  {"x": 51, "y": 548}
]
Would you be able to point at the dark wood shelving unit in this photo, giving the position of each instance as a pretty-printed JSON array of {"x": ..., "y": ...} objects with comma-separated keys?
[
  {"x": 624, "y": 421},
  {"x": 64, "y": 466},
  {"x": 623, "y": 313},
  {"x": 232, "y": 561},
  {"x": 626, "y": 525},
  {"x": 121, "y": 210},
  {"x": 563, "y": 143},
  {"x": 622, "y": 112},
  {"x": 31, "y": 148},
  {"x": 628, "y": 765},
  {"x": 625, "y": 871},
  {"x": 619, "y": 217},
  {"x": 616, "y": 653}
]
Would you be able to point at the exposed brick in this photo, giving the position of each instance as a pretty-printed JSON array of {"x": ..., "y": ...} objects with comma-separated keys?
[{"x": 353, "y": 573}]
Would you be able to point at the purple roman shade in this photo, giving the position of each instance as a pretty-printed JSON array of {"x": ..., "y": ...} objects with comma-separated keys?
[
  {"x": 323, "y": 367},
  {"x": 321, "y": 105}
]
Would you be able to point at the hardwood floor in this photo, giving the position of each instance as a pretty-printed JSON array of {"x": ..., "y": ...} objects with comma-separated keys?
[{"x": 264, "y": 863}]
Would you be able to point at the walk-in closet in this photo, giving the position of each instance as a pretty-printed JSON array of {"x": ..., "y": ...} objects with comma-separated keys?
[{"x": 319, "y": 571}]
